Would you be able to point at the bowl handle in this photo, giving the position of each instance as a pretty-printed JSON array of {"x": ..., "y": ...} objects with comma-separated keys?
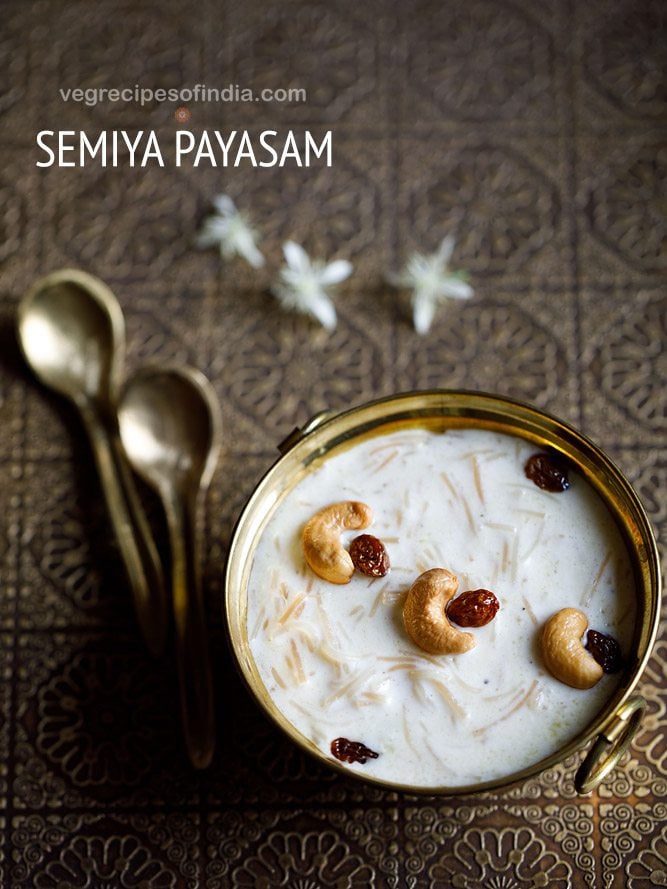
[
  {"x": 610, "y": 745},
  {"x": 301, "y": 431}
]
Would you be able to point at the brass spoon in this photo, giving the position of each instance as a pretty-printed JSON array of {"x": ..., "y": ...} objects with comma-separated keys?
[
  {"x": 72, "y": 334},
  {"x": 169, "y": 422}
]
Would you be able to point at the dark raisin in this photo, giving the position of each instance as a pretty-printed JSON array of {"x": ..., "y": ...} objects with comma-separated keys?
[
  {"x": 548, "y": 472},
  {"x": 605, "y": 650},
  {"x": 474, "y": 608},
  {"x": 369, "y": 555},
  {"x": 351, "y": 751}
]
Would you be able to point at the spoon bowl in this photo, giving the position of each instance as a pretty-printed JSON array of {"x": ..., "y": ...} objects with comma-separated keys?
[
  {"x": 72, "y": 333},
  {"x": 170, "y": 427}
]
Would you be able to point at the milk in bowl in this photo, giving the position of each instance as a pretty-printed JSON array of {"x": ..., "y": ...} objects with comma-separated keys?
[{"x": 337, "y": 660}]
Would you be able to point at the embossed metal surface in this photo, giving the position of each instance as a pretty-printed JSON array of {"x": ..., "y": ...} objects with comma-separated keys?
[{"x": 537, "y": 132}]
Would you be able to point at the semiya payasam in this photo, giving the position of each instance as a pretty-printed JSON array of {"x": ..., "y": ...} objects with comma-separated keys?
[{"x": 336, "y": 657}]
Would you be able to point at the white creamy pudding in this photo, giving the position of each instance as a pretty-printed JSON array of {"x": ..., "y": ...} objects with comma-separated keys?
[{"x": 336, "y": 658}]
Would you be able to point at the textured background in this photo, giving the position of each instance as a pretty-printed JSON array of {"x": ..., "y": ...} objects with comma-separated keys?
[{"x": 536, "y": 131}]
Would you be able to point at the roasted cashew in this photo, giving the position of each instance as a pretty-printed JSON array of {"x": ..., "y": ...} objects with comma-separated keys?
[
  {"x": 425, "y": 618},
  {"x": 564, "y": 652},
  {"x": 322, "y": 546}
]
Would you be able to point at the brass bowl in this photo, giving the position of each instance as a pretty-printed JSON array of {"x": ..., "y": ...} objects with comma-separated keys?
[{"x": 612, "y": 729}]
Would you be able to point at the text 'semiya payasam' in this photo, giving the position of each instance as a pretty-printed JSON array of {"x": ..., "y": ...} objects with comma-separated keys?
[{"x": 212, "y": 148}]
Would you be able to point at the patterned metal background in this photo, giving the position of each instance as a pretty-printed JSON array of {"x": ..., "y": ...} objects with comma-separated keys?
[{"x": 537, "y": 131}]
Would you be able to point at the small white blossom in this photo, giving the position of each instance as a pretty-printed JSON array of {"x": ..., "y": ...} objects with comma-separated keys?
[
  {"x": 432, "y": 283},
  {"x": 229, "y": 230},
  {"x": 303, "y": 284}
]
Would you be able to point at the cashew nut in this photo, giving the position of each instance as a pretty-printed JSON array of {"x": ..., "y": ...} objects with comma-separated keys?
[
  {"x": 425, "y": 618},
  {"x": 322, "y": 546},
  {"x": 564, "y": 652}
]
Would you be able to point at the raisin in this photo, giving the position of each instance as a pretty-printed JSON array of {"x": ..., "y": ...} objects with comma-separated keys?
[
  {"x": 548, "y": 472},
  {"x": 474, "y": 608},
  {"x": 369, "y": 555},
  {"x": 351, "y": 751},
  {"x": 605, "y": 650}
]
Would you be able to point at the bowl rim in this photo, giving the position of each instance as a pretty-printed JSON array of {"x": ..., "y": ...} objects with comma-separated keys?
[{"x": 463, "y": 408}]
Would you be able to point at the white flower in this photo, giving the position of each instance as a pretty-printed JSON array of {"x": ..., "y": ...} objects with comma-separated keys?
[
  {"x": 431, "y": 283},
  {"x": 229, "y": 230},
  {"x": 302, "y": 284}
]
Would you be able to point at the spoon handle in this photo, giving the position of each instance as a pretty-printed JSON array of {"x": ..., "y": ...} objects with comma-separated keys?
[
  {"x": 140, "y": 557},
  {"x": 192, "y": 647}
]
